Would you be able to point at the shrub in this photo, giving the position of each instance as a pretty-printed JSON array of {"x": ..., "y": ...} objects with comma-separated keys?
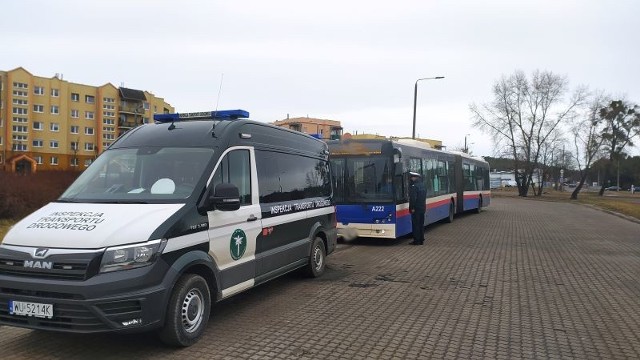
[{"x": 21, "y": 195}]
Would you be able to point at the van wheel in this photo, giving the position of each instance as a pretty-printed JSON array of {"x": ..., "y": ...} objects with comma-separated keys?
[
  {"x": 450, "y": 218},
  {"x": 317, "y": 259},
  {"x": 187, "y": 312}
]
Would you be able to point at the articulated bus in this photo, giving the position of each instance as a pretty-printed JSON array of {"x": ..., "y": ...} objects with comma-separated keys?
[{"x": 371, "y": 185}]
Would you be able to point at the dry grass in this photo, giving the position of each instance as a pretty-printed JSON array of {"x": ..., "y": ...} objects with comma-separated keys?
[
  {"x": 620, "y": 202},
  {"x": 4, "y": 227}
]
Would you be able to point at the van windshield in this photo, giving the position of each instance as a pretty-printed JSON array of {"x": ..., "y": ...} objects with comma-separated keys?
[{"x": 148, "y": 174}]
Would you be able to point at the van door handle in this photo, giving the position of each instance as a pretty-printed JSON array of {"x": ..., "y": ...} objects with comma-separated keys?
[{"x": 252, "y": 218}]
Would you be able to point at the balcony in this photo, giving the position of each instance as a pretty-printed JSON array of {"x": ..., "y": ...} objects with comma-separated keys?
[{"x": 131, "y": 109}]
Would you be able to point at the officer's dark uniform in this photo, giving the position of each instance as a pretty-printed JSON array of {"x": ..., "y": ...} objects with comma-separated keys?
[{"x": 417, "y": 207}]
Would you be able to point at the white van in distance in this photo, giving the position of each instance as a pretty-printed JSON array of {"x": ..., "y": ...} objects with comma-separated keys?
[{"x": 171, "y": 218}]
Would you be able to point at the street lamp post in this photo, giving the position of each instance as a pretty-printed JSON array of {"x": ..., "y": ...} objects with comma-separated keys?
[
  {"x": 465, "y": 149},
  {"x": 415, "y": 97}
]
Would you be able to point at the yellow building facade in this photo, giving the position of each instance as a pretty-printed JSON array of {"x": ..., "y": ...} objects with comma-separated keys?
[
  {"x": 53, "y": 124},
  {"x": 320, "y": 128}
]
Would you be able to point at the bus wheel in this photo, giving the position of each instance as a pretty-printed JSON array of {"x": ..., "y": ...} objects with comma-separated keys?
[
  {"x": 450, "y": 218},
  {"x": 479, "y": 208},
  {"x": 317, "y": 258},
  {"x": 187, "y": 312}
]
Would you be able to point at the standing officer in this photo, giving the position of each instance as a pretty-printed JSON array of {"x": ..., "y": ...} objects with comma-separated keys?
[{"x": 417, "y": 207}]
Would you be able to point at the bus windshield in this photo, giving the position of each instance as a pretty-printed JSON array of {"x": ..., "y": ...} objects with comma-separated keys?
[{"x": 362, "y": 179}]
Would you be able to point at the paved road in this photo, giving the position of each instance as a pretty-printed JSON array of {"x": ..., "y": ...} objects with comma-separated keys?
[{"x": 523, "y": 279}]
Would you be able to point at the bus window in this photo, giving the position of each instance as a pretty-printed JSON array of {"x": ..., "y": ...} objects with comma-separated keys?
[
  {"x": 427, "y": 177},
  {"x": 338, "y": 172},
  {"x": 415, "y": 165},
  {"x": 443, "y": 178}
]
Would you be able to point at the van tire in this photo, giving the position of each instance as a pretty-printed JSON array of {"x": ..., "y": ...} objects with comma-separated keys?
[
  {"x": 317, "y": 259},
  {"x": 187, "y": 312}
]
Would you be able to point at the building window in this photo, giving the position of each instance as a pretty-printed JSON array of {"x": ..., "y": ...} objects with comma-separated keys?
[
  {"x": 89, "y": 115},
  {"x": 108, "y": 107},
  {"x": 20, "y": 85},
  {"x": 19, "y": 119},
  {"x": 20, "y": 128},
  {"x": 109, "y": 113},
  {"x": 54, "y": 127},
  {"x": 75, "y": 114},
  {"x": 145, "y": 105},
  {"x": 74, "y": 162},
  {"x": 109, "y": 136},
  {"x": 88, "y": 131},
  {"x": 108, "y": 129},
  {"x": 38, "y": 160},
  {"x": 37, "y": 143},
  {"x": 0, "y": 140},
  {"x": 53, "y": 144},
  {"x": 54, "y": 160},
  {"x": 109, "y": 100},
  {"x": 109, "y": 121},
  {"x": 38, "y": 90},
  {"x": 19, "y": 147},
  {"x": 20, "y": 102},
  {"x": 18, "y": 138},
  {"x": 106, "y": 144},
  {"x": 55, "y": 92},
  {"x": 55, "y": 109},
  {"x": 19, "y": 111},
  {"x": 20, "y": 93},
  {"x": 89, "y": 99},
  {"x": 74, "y": 129},
  {"x": 88, "y": 146},
  {"x": 74, "y": 145},
  {"x": 87, "y": 162},
  {"x": 38, "y": 108},
  {"x": 38, "y": 125},
  {"x": 75, "y": 97}
]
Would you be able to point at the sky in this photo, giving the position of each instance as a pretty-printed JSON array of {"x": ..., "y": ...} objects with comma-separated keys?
[{"x": 352, "y": 61}]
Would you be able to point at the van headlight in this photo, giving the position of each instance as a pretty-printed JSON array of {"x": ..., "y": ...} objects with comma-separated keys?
[{"x": 131, "y": 256}]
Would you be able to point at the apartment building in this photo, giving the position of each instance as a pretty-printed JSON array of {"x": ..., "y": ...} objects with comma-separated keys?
[
  {"x": 319, "y": 128},
  {"x": 53, "y": 124}
]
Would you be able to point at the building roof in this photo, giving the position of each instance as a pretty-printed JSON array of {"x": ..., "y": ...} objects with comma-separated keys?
[{"x": 132, "y": 94}]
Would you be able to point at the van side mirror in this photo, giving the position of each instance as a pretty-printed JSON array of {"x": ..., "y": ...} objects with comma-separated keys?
[{"x": 225, "y": 197}]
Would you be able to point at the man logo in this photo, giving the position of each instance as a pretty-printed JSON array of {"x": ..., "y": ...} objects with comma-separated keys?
[
  {"x": 34, "y": 264},
  {"x": 40, "y": 253}
]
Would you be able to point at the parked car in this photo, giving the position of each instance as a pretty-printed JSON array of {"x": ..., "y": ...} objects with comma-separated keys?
[{"x": 613, "y": 188}]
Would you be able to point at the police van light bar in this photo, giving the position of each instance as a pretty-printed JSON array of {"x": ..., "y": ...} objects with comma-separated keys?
[{"x": 203, "y": 115}]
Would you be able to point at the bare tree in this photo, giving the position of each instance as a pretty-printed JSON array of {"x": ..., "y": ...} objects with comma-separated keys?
[
  {"x": 587, "y": 139},
  {"x": 548, "y": 151},
  {"x": 523, "y": 117}
]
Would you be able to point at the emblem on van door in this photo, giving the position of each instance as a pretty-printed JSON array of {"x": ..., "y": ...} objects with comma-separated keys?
[{"x": 238, "y": 244}]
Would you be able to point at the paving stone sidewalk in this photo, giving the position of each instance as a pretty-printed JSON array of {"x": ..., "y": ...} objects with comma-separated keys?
[{"x": 521, "y": 280}]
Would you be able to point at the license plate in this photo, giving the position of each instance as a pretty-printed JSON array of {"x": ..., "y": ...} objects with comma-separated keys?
[{"x": 31, "y": 309}]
